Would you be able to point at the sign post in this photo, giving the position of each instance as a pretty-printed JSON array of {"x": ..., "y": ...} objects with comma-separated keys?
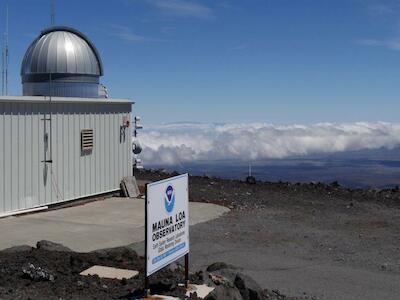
[{"x": 167, "y": 224}]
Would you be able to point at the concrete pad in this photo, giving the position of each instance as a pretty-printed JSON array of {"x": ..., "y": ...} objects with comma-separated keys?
[
  {"x": 109, "y": 272},
  {"x": 96, "y": 225},
  {"x": 201, "y": 290}
]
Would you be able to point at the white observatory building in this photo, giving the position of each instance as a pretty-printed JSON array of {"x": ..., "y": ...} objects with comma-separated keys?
[{"x": 63, "y": 139}]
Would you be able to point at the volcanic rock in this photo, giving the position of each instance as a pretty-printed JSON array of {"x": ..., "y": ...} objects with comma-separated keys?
[
  {"x": 36, "y": 273},
  {"x": 219, "y": 266},
  {"x": 16, "y": 249},
  {"x": 223, "y": 292},
  {"x": 51, "y": 246},
  {"x": 248, "y": 288}
]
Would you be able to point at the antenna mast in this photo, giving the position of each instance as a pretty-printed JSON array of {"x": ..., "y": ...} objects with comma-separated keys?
[
  {"x": 4, "y": 60},
  {"x": 2, "y": 67},
  {"x": 53, "y": 13},
  {"x": 6, "y": 50}
]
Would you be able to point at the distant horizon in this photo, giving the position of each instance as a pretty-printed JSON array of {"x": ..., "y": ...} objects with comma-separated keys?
[{"x": 350, "y": 173}]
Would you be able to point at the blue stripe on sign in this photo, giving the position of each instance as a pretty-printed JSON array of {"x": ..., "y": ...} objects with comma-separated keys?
[{"x": 168, "y": 253}]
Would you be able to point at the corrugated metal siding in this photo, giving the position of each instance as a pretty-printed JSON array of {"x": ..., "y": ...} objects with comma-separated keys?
[{"x": 27, "y": 182}]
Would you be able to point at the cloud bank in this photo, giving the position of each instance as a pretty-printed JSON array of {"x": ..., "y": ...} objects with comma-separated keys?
[{"x": 172, "y": 144}]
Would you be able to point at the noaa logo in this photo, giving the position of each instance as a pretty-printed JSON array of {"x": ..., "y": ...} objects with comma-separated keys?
[{"x": 169, "y": 198}]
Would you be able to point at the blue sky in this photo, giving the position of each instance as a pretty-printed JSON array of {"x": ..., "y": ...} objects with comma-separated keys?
[{"x": 276, "y": 61}]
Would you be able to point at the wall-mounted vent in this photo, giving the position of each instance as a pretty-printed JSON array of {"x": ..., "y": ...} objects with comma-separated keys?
[{"x": 87, "y": 139}]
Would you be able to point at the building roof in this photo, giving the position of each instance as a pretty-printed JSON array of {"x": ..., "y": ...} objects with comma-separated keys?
[{"x": 46, "y": 99}]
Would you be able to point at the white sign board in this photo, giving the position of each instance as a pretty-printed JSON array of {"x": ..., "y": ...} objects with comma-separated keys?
[{"x": 167, "y": 211}]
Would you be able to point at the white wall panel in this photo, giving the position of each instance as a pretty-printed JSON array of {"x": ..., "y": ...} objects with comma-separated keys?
[
  {"x": 24, "y": 181},
  {"x": 7, "y": 156},
  {"x": 2, "y": 157}
]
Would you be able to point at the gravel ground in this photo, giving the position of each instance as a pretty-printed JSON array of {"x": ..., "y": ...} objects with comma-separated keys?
[
  {"x": 307, "y": 241},
  {"x": 240, "y": 195},
  {"x": 317, "y": 240}
]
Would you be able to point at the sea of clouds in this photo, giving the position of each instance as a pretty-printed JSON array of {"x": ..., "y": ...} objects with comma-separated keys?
[{"x": 172, "y": 144}]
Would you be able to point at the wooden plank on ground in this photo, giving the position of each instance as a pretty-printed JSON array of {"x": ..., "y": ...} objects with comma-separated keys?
[{"x": 109, "y": 272}]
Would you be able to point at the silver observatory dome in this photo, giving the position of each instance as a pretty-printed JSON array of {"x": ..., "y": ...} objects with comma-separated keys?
[{"x": 62, "y": 62}]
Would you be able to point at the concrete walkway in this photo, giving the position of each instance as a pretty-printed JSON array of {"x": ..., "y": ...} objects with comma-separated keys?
[{"x": 102, "y": 224}]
